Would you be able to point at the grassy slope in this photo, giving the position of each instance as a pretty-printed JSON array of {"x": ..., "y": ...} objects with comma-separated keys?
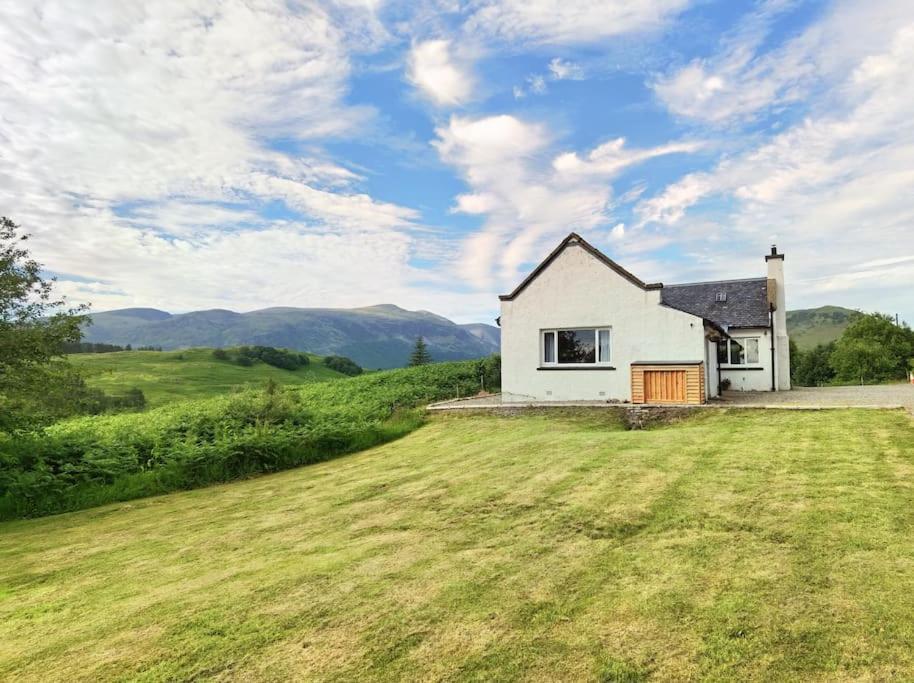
[
  {"x": 166, "y": 376},
  {"x": 494, "y": 548},
  {"x": 813, "y": 326}
]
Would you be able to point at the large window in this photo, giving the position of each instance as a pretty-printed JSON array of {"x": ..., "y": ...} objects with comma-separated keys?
[
  {"x": 744, "y": 351},
  {"x": 584, "y": 346}
]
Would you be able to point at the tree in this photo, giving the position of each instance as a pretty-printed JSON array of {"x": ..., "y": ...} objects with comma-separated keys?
[
  {"x": 420, "y": 354},
  {"x": 873, "y": 349},
  {"x": 813, "y": 368},
  {"x": 34, "y": 328},
  {"x": 347, "y": 366}
]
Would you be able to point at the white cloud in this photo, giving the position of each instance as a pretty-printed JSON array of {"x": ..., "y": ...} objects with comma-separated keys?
[
  {"x": 562, "y": 22},
  {"x": 611, "y": 157},
  {"x": 558, "y": 70},
  {"x": 562, "y": 70},
  {"x": 434, "y": 71},
  {"x": 136, "y": 147},
  {"x": 744, "y": 78},
  {"x": 528, "y": 197},
  {"x": 833, "y": 189}
]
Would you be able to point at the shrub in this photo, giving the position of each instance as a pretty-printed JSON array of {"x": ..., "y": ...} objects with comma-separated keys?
[
  {"x": 343, "y": 365},
  {"x": 93, "y": 460},
  {"x": 220, "y": 354},
  {"x": 278, "y": 358}
]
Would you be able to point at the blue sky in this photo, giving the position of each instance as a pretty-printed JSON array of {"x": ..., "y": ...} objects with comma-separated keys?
[{"x": 188, "y": 155}]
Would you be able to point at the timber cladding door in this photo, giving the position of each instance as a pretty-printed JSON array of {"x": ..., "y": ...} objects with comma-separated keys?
[
  {"x": 668, "y": 383},
  {"x": 664, "y": 386}
]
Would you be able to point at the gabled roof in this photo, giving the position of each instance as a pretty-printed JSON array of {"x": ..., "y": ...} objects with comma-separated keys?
[
  {"x": 575, "y": 239},
  {"x": 746, "y": 303}
]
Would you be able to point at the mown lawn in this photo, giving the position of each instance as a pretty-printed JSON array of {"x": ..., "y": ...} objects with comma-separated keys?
[
  {"x": 742, "y": 546},
  {"x": 168, "y": 376}
]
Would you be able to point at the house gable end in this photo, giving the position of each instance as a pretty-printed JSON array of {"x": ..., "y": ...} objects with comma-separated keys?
[{"x": 576, "y": 240}]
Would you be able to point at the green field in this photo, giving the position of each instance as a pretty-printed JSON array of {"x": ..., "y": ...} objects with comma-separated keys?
[
  {"x": 167, "y": 376},
  {"x": 756, "y": 545}
]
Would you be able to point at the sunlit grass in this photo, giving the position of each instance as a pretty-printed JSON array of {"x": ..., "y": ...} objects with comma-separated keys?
[
  {"x": 760, "y": 545},
  {"x": 168, "y": 376}
]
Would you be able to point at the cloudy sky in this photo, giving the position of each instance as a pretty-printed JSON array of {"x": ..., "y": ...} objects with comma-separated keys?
[{"x": 250, "y": 153}]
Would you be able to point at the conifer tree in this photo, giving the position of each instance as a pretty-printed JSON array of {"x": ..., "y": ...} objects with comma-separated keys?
[{"x": 420, "y": 354}]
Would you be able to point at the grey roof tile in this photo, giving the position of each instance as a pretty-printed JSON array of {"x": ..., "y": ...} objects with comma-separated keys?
[{"x": 746, "y": 302}]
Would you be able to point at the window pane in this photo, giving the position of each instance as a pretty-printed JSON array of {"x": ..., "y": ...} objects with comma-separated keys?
[
  {"x": 737, "y": 353},
  {"x": 722, "y": 352},
  {"x": 604, "y": 346},
  {"x": 751, "y": 350},
  {"x": 577, "y": 346},
  {"x": 549, "y": 347}
]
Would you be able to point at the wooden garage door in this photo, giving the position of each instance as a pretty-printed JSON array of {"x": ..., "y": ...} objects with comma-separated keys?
[{"x": 664, "y": 386}]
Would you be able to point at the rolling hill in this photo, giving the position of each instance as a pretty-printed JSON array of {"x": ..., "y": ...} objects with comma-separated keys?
[
  {"x": 374, "y": 337},
  {"x": 167, "y": 376},
  {"x": 812, "y": 326}
]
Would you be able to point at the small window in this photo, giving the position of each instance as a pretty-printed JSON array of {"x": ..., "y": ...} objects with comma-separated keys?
[
  {"x": 721, "y": 296},
  {"x": 739, "y": 351},
  {"x": 585, "y": 346}
]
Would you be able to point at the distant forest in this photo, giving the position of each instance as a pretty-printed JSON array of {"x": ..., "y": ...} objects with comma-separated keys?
[{"x": 92, "y": 347}]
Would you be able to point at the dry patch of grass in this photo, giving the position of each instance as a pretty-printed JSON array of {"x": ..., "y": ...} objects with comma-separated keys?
[{"x": 750, "y": 546}]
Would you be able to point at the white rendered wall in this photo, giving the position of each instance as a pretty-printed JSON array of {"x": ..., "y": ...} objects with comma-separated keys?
[
  {"x": 577, "y": 290},
  {"x": 754, "y": 377}
]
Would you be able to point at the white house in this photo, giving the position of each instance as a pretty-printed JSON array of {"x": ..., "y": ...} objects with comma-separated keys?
[{"x": 581, "y": 327}]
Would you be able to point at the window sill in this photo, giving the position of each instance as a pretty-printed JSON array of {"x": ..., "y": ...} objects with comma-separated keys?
[
  {"x": 740, "y": 368},
  {"x": 576, "y": 367}
]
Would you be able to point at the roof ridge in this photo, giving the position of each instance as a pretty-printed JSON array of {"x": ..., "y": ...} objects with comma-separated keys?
[{"x": 717, "y": 282}]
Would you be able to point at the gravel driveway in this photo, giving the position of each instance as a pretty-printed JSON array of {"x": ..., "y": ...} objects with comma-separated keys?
[{"x": 882, "y": 395}]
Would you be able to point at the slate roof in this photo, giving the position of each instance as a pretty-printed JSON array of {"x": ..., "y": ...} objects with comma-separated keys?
[{"x": 746, "y": 304}]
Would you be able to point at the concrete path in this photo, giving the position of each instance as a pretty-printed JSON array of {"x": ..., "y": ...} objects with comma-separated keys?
[{"x": 881, "y": 396}]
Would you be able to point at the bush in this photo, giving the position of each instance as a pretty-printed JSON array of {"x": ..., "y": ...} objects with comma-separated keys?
[
  {"x": 813, "y": 368},
  {"x": 93, "y": 460},
  {"x": 220, "y": 354},
  {"x": 343, "y": 365},
  {"x": 278, "y": 358}
]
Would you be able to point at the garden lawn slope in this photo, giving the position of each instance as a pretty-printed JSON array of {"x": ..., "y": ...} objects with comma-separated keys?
[
  {"x": 734, "y": 546},
  {"x": 169, "y": 376},
  {"x": 93, "y": 460}
]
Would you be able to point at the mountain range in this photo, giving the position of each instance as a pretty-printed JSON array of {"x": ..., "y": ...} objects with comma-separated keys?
[{"x": 374, "y": 336}]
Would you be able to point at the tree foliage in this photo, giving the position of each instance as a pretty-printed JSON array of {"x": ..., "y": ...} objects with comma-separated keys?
[
  {"x": 347, "y": 366},
  {"x": 420, "y": 354},
  {"x": 34, "y": 328},
  {"x": 813, "y": 368},
  {"x": 873, "y": 348}
]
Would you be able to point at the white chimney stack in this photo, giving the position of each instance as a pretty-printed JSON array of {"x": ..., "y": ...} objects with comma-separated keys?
[{"x": 778, "y": 302}]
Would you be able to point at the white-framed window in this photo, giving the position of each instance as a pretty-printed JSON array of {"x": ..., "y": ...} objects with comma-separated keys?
[
  {"x": 576, "y": 346},
  {"x": 741, "y": 351}
]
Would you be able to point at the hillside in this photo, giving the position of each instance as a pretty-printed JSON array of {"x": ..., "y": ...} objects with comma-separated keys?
[
  {"x": 374, "y": 337},
  {"x": 166, "y": 376},
  {"x": 812, "y": 326},
  {"x": 482, "y": 548}
]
